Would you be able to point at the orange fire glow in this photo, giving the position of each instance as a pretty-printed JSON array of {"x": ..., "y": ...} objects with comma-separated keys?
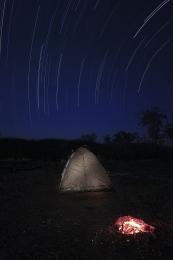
[{"x": 129, "y": 225}]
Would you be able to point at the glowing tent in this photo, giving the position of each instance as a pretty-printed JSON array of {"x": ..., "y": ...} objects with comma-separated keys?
[{"x": 83, "y": 172}]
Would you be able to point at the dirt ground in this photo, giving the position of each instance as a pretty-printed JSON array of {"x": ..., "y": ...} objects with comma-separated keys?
[{"x": 37, "y": 222}]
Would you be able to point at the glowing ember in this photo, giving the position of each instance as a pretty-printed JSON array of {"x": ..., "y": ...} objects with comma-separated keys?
[{"x": 129, "y": 225}]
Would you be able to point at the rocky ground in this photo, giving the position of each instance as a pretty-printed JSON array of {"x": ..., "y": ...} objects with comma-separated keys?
[{"x": 37, "y": 222}]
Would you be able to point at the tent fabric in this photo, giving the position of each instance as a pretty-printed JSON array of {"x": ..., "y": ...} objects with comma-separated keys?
[{"x": 83, "y": 172}]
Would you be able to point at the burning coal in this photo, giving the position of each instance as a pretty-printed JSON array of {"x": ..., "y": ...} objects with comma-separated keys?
[{"x": 129, "y": 226}]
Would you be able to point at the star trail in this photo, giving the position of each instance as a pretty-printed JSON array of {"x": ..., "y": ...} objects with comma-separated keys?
[{"x": 72, "y": 67}]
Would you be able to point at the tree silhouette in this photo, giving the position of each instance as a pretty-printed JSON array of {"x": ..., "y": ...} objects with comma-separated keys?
[
  {"x": 107, "y": 139},
  {"x": 153, "y": 119},
  {"x": 91, "y": 138},
  {"x": 123, "y": 137},
  {"x": 169, "y": 132}
]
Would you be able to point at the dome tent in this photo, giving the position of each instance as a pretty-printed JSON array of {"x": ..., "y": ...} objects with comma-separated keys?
[{"x": 83, "y": 172}]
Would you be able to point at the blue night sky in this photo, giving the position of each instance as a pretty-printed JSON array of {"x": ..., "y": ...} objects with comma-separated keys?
[{"x": 72, "y": 67}]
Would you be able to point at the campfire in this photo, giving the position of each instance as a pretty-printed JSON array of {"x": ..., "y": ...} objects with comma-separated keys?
[{"x": 129, "y": 226}]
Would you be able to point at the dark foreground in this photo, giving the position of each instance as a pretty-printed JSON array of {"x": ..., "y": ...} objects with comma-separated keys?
[{"x": 36, "y": 222}]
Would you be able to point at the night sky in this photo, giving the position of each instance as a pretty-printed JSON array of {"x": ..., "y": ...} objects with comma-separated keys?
[{"x": 72, "y": 67}]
